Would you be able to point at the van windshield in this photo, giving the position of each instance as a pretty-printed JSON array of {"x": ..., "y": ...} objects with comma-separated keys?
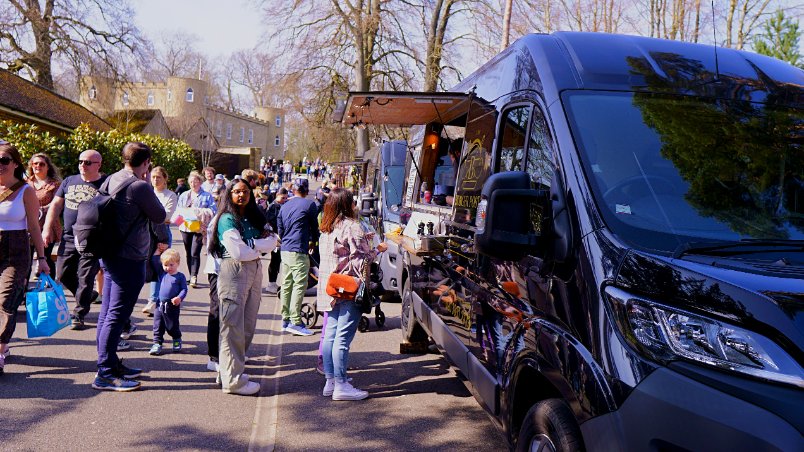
[{"x": 669, "y": 170}]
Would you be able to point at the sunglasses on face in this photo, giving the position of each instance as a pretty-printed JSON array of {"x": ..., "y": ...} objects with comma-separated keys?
[
  {"x": 5, "y": 160},
  {"x": 86, "y": 162},
  {"x": 38, "y": 164}
]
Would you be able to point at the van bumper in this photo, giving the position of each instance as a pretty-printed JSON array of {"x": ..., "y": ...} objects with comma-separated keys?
[{"x": 669, "y": 411}]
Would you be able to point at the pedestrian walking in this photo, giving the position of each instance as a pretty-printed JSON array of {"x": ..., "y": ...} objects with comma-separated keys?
[
  {"x": 172, "y": 291},
  {"x": 238, "y": 240},
  {"x": 19, "y": 219},
  {"x": 124, "y": 263},
  {"x": 181, "y": 186},
  {"x": 297, "y": 226},
  {"x": 169, "y": 200},
  {"x": 212, "y": 268},
  {"x": 209, "y": 179},
  {"x": 197, "y": 206},
  {"x": 44, "y": 178},
  {"x": 345, "y": 249},
  {"x": 74, "y": 270},
  {"x": 271, "y": 215}
]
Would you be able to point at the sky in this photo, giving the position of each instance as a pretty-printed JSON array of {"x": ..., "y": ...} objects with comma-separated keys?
[{"x": 222, "y": 26}]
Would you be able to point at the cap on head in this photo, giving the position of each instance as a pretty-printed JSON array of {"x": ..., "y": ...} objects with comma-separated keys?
[{"x": 219, "y": 177}]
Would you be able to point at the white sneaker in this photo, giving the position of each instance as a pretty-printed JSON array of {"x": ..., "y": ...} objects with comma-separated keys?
[
  {"x": 345, "y": 391},
  {"x": 212, "y": 365},
  {"x": 249, "y": 388},
  {"x": 149, "y": 308},
  {"x": 272, "y": 288},
  {"x": 329, "y": 387}
]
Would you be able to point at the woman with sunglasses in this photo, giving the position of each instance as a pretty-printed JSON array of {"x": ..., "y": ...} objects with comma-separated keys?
[
  {"x": 19, "y": 219},
  {"x": 44, "y": 177}
]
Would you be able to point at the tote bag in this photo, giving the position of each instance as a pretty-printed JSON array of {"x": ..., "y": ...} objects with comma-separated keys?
[{"x": 46, "y": 307}]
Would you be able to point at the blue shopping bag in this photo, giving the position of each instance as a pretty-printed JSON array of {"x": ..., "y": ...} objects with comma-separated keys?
[{"x": 47, "y": 308}]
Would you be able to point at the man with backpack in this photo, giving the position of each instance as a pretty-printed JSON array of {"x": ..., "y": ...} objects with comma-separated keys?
[
  {"x": 124, "y": 250},
  {"x": 74, "y": 270}
]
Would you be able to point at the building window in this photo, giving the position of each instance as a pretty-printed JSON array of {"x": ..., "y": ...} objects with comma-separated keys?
[
  {"x": 125, "y": 98},
  {"x": 278, "y": 120},
  {"x": 228, "y": 131},
  {"x": 189, "y": 96},
  {"x": 219, "y": 129},
  {"x": 250, "y": 136},
  {"x": 93, "y": 93},
  {"x": 276, "y": 141},
  {"x": 170, "y": 95},
  {"x": 242, "y": 134},
  {"x": 150, "y": 98}
]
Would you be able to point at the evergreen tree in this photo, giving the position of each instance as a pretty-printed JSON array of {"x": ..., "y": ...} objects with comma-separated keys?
[{"x": 779, "y": 39}]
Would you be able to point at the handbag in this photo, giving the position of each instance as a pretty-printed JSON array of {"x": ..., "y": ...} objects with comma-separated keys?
[
  {"x": 342, "y": 287},
  {"x": 46, "y": 308}
]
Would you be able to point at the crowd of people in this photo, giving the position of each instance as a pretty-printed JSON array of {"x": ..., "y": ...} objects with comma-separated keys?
[{"x": 257, "y": 214}]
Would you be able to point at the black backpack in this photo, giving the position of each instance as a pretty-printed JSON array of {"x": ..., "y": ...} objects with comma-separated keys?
[{"x": 95, "y": 231}]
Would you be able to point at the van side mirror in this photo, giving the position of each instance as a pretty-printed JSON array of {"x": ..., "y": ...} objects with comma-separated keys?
[
  {"x": 368, "y": 205},
  {"x": 506, "y": 225}
]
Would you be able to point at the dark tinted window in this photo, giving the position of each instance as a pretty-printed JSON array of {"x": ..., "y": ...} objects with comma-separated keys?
[
  {"x": 540, "y": 151},
  {"x": 511, "y": 155},
  {"x": 666, "y": 170}
]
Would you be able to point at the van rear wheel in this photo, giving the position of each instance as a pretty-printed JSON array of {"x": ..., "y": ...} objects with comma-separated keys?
[{"x": 550, "y": 426}]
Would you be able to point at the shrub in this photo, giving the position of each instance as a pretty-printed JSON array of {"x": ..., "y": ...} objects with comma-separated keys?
[{"x": 174, "y": 155}]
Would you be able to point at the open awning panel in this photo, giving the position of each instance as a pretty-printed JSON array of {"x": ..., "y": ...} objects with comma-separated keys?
[{"x": 400, "y": 108}]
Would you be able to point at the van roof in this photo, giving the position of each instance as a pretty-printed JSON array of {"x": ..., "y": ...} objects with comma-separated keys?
[{"x": 602, "y": 61}]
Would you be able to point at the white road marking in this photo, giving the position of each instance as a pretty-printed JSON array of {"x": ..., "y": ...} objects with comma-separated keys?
[{"x": 263, "y": 429}]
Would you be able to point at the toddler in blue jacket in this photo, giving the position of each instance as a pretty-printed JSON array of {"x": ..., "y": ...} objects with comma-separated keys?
[{"x": 172, "y": 291}]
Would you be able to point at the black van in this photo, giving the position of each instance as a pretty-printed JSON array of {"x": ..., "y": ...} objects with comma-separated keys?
[{"x": 621, "y": 260}]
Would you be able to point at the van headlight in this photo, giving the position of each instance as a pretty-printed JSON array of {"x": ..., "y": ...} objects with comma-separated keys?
[{"x": 667, "y": 333}]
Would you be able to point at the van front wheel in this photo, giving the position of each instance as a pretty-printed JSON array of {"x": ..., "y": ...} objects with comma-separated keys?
[
  {"x": 549, "y": 426},
  {"x": 411, "y": 330}
]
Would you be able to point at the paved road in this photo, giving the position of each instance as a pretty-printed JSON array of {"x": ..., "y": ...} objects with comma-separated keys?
[{"x": 417, "y": 402}]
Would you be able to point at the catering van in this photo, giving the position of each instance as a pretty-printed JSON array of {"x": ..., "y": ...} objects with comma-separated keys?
[{"x": 605, "y": 236}]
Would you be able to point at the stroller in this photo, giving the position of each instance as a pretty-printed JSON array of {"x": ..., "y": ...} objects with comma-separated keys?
[{"x": 310, "y": 315}]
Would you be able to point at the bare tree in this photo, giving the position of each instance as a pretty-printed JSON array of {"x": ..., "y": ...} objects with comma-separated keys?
[
  {"x": 176, "y": 55},
  {"x": 506, "y": 31},
  {"x": 33, "y": 33},
  {"x": 741, "y": 19}
]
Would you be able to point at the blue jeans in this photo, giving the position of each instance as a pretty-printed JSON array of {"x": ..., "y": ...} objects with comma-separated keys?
[
  {"x": 122, "y": 281},
  {"x": 341, "y": 329}
]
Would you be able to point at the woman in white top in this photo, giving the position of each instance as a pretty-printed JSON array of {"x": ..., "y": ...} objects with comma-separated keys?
[
  {"x": 19, "y": 218},
  {"x": 159, "y": 178}
]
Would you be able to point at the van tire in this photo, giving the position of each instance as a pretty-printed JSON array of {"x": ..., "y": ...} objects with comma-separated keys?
[
  {"x": 411, "y": 330},
  {"x": 552, "y": 421}
]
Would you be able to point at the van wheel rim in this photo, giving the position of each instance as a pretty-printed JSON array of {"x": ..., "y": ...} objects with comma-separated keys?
[{"x": 542, "y": 443}]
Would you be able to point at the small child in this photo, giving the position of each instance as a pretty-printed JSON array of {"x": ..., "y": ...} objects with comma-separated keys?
[{"x": 172, "y": 290}]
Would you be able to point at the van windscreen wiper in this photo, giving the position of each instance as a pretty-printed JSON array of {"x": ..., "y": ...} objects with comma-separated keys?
[{"x": 743, "y": 246}]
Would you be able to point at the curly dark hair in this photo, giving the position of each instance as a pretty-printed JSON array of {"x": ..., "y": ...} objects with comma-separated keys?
[{"x": 225, "y": 205}]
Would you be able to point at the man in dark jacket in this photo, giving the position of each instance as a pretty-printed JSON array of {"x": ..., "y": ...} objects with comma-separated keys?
[
  {"x": 272, "y": 215},
  {"x": 124, "y": 270},
  {"x": 297, "y": 226}
]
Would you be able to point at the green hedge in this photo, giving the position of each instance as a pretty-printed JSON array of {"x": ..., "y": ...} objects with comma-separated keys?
[{"x": 174, "y": 155}]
